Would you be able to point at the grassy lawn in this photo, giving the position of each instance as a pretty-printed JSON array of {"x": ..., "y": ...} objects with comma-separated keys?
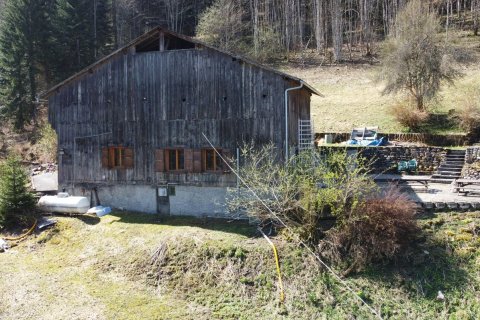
[
  {"x": 353, "y": 98},
  {"x": 135, "y": 266}
]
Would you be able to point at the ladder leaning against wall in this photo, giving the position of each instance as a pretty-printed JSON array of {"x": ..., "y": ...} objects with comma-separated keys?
[{"x": 305, "y": 135}]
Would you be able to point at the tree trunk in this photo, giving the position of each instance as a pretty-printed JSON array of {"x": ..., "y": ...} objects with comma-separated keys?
[
  {"x": 420, "y": 103},
  {"x": 337, "y": 28},
  {"x": 319, "y": 25},
  {"x": 475, "y": 8}
]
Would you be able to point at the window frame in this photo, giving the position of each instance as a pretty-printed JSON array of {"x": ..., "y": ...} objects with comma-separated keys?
[
  {"x": 116, "y": 157},
  {"x": 177, "y": 159},
  {"x": 120, "y": 157},
  {"x": 216, "y": 158}
]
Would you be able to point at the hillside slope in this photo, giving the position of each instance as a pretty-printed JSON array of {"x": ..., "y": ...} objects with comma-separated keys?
[
  {"x": 132, "y": 266},
  {"x": 353, "y": 97}
]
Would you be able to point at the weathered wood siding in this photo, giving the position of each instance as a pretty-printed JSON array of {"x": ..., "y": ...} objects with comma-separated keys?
[{"x": 155, "y": 100}]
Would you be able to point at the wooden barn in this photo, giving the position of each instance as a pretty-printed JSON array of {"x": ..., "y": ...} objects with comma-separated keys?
[{"x": 131, "y": 125}]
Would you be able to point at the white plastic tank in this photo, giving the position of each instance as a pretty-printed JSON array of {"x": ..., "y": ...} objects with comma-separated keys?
[
  {"x": 328, "y": 139},
  {"x": 63, "y": 203}
]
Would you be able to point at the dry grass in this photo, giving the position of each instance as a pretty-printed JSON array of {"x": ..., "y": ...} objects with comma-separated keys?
[
  {"x": 111, "y": 269},
  {"x": 353, "y": 98}
]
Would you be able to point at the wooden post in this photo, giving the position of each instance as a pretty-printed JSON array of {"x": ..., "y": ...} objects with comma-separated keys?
[{"x": 161, "y": 41}]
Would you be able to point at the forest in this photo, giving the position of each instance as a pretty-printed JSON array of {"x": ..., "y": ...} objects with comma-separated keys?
[{"x": 44, "y": 42}]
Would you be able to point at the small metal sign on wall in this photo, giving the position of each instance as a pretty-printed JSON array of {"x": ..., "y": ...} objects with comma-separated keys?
[
  {"x": 163, "y": 198},
  {"x": 162, "y": 192},
  {"x": 163, "y": 201}
]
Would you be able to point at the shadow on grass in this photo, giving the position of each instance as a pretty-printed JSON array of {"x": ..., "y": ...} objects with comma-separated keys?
[
  {"x": 240, "y": 227},
  {"x": 87, "y": 219},
  {"x": 432, "y": 268},
  {"x": 440, "y": 122}
]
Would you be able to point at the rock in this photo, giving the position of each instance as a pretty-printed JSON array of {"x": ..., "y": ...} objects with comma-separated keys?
[
  {"x": 3, "y": 245},
  {"x": 440, "y": 296}
]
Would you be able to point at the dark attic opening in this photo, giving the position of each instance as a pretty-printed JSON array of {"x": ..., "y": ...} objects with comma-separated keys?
[
  {"x": 174, "y": 43},
  {"x": 163, "y": 42}
]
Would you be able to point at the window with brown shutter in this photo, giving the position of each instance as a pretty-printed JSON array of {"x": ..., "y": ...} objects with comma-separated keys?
[
  {"x": 105, "y": 163},
  {"x": 117, "y": 158},
  {"x": 159, "y": 160},
  {"x": 227, "y": 156},
  {"x": 189, "y": 160},
  {"x": 197, "y": 161},
  {"x": 211, "y": 161},
  {"x": 175, "y": 159},
  {"x": 127, "y": 160}
]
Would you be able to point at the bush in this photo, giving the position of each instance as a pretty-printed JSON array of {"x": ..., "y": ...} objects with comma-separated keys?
[
  {"x": 46, "y": 147},
  {"x": 380, "y": 229},
  {"x": 469, "y": 116},
  {"x": 299, "y": 193},
  {"x": 409, "y": 117},
  {"x": 16, "y": 202},
  {"x": 368, "y": 225},
  {"x": 269, "y": 46},
  {"x": 223, "y": 25}
]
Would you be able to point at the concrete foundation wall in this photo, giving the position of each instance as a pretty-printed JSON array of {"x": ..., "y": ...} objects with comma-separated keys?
[
  {"x": 187, "y": 200},
  {"x": 199, "y": 201}
]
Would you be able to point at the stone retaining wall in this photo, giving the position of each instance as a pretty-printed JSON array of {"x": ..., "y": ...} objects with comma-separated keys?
[
  {"x": 387, "y": 158},
  {"x": 472, "y": 165}
]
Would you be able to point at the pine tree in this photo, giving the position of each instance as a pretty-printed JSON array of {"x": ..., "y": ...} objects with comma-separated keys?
[
  {"x": 16, "y": 202},
  {"x": 84, "y": 32},
  {"x": 23, "y": 39}
]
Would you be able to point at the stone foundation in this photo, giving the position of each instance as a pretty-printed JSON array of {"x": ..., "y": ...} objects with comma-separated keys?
[{"x": 472, "y": 165}]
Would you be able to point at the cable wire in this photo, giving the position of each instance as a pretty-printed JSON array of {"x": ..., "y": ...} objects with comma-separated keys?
[{"x": 336, "y": 276}]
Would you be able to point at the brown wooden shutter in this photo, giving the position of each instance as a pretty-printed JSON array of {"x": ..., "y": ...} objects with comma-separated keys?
[
  {"x": 227, "y": 156},
  {"x": 105, "y": 157},
  {"x": 111, "y": 157},
  {"x": 197, "y": 161},
  {"x": 128, "y": 157},
  {"x": 189, "y": 160},
  {"x": 159, "y": 160}
]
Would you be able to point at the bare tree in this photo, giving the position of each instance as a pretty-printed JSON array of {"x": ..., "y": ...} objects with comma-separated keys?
[
  {"x": 415, "y": 60},
  {"x": 222, "y": 25},
  {"x": 176, "y": 10},
  {"x": 319, "y": 24},
  {"x": 285, "y": 25},
  {"x": 475, "y": 8},
  {"x": 336, "y": 13}
]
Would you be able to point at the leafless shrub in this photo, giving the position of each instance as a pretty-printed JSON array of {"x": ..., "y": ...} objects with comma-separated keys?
[
  {"x": 408, "y": 116},
  {"x": 370, "y": 226},
  {"x": 302, "y": 192},
  {"x": 469, "y": 116},
  {"x": 223, "y": 25},
  {"x": 382, "y": 228},
  {"x": 46, "y": 147}
]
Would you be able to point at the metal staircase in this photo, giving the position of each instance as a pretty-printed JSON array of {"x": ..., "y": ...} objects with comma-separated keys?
[{"x": 305, "y": 135}]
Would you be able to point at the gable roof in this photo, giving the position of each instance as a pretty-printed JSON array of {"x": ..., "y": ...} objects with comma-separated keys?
[{"x": 155, "y": 32}]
